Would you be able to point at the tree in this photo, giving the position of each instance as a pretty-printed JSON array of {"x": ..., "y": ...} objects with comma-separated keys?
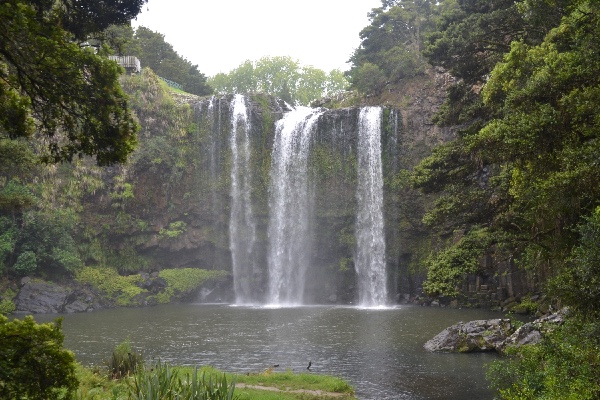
[
  {"x": 33, "y": 363},
  {"x": 392, "y": 43},
  {"x": 473, "y": 35},
  {"x": 154, "y": 52},
  {"x": 58, "y": 91},
  {"x": 527, "y": 170},
  {"x": 282, "y": 77}
]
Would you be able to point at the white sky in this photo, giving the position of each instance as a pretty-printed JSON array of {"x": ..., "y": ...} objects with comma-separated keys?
[{"x": 219, "y": 35}]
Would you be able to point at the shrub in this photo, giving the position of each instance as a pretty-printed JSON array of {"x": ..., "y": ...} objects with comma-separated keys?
[
  {"x": 183, "y": 281},
  {"x": 121, "y": 288},
  {"x": 565, "y": 365},
  {"x": 33, "y": 363},
  {"x": 6, "y": 306},
  {"x": 164, "y": 383},
  {"x": 26, "y": 263},
  {"x": 123, "y": 362}
]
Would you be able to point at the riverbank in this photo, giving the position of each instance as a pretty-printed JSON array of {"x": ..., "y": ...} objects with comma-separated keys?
[
  {"x": 95, "y": 383},
  {"x": 101, "y": 288}
]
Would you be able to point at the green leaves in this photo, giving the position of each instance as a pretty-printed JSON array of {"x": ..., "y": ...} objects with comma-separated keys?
[
  {"x": 445, "y": 270},
  {"x": 391, "y": 45},
  {"x": 33, "y": 363},
  {"x": 526, "y": 167},
  {"x": 155, "y": 53},
  {"x": 64, "y": 92},
  {"x": 282, "y": 77}
]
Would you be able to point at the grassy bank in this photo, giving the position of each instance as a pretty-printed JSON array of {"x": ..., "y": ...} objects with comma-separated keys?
[{"x": 97, "y": 384}]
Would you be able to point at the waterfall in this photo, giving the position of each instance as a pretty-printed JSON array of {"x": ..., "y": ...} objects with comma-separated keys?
[
  {"x": 242, "y": 227},
  {"x": 290, "y": 205},
  {"x": 370, "y": 251}
]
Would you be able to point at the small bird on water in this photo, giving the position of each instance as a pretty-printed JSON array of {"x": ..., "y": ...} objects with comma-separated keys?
[{"x": 309, "y": 364}]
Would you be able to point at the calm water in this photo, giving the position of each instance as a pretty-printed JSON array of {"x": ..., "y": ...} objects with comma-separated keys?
[{"x": 378, "y": 351}]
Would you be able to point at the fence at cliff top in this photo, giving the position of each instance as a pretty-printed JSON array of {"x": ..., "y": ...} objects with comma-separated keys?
[{"x": 171, "y": 83}]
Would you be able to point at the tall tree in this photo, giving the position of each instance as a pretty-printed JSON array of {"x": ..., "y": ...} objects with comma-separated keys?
[
  {"x": 391, "y": 45},
  {"x": 527, "y": 176},
  {"x": 155, "y": 53},
  {"x": 282, "y": 77},
  {"x": 52, "y": 87}
]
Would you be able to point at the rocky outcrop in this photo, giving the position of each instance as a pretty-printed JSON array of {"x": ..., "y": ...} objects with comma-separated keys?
[
  {"x": 492, "y": 335},
  {"x": 532, "y": 332},
  {"x": 36, "y": 297},
  {"x": 473, "y": 336}
]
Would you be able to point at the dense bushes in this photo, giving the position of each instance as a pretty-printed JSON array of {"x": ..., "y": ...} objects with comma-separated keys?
[
  {"x": 565, "y": 365},
  {"x": 33, "y": 363}
]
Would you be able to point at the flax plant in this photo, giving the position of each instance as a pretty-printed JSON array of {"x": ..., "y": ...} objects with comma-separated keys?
[{"x": 164, "y": 383}]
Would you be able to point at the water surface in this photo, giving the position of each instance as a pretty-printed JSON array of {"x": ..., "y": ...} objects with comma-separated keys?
[{"x": 379, "y": 351}]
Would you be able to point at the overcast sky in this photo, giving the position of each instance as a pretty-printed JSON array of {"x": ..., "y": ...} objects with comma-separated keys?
[{"x": 219, "y": 35}]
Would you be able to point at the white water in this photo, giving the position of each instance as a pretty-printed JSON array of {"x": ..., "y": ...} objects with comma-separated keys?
[
  {"x": 370, "y": 239},
  {"x": 290, "y": 205},
  {"x": 242, "y": 226}
]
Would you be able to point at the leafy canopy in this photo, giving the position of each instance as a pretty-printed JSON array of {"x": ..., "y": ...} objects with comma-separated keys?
[
  {"x": 282, "y": 77},
  {"x": 526, "y": 168},
  {"x": 33, "y": 363},
  {"x": 53, "y": 87}
]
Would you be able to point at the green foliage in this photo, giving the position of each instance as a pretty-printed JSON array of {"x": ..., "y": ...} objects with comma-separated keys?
[
  {"x": 49, "y": 237},
  {"x": 174, "y": 230},
  {"x": 526, "y": 170},
  {"x": 8, "y": 239},
  {"x": 7, "y": 306},
  {"x": 95, "y": 384},
  {"x": 282, "y": 77},
  {"x": 162, "y": 382},
  {"x": 16, "y": 197},
  {"x": 26, "y": 263},
  {"x": 447, "y": 269},
  {"x": 33, "y": 363},
  {"x": 51, "y": 85},
  {"x": 115, "y": 286},
  {"x": 565, "y": 365},
  {"x": 182, "y": 281},
  {"x": 369, "y": 79},
  {"x": 390, "y": 48},
  {"x": 578, "y": 284},
  {"x": 124, "y": 362},
  {"x": 152, "y": 50}
]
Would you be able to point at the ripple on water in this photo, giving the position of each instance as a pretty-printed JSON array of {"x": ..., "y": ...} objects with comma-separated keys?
[{"x": 378, "y": 350}]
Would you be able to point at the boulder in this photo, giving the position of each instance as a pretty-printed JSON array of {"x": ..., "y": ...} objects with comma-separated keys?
[
  {"x": 38, "y": 297},
  {"x": 41, "y": 297},
  {"x": 473, "y": 336},
  {"x": 532, "y": 332}
]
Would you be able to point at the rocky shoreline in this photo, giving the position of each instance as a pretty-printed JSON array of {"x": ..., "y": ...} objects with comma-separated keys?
[{"x": 492, "y": 335}]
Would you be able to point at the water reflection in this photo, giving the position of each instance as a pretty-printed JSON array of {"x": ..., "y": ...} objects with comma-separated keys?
[{"x": 378, "y": 350}]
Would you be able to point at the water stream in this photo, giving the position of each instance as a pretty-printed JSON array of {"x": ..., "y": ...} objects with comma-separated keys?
[
  {"x": 370, "y": 249},
  {"x": 242, "y": 226},
  {"x": 290, "y": 207}
]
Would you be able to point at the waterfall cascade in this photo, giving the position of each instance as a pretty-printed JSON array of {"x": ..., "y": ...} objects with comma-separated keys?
[
  {"x": 370, "y": 239},
  {"x": 290, "y": 206},
  {"x": 242, "y": 226},
  {"x": 291, "y": 200}
]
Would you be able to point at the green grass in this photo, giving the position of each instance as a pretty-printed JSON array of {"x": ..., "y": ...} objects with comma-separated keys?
[
  {"x": 95, "y": 384},
  {"x": 292, "y": 381}
]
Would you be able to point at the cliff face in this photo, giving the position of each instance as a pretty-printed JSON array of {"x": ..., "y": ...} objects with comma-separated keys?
[{"x": 171, "y": 207}]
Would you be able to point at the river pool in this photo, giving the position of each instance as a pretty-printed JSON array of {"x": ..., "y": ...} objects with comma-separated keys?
[{"x": 379, "y": 351}]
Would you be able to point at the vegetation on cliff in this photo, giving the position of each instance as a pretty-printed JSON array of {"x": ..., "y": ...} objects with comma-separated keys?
[{"x": 56, "y": 90}]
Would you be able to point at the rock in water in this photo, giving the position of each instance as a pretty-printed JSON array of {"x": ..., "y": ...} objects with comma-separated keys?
[{"x": 473, "y": 336}]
